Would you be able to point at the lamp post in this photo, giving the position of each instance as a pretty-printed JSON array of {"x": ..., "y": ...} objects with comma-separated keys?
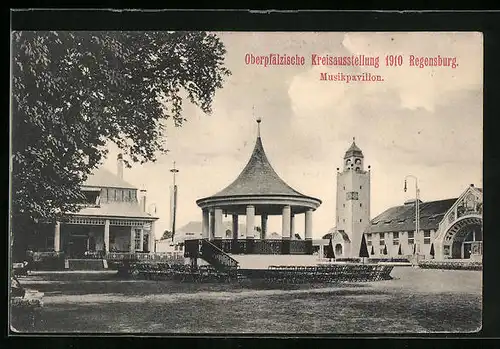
[{"x": 417, "y": 215}]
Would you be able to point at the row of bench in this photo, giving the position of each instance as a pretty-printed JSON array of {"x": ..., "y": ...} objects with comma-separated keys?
[
  {"x": 182, "y": 273},
  {"x": 327, "y": 273}
]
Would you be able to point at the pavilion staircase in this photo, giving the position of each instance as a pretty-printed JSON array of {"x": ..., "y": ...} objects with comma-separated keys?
[{"x": 219, "y": 259}]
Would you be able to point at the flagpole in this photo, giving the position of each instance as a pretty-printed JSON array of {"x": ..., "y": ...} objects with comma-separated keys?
[{"x": 174, "y": 199}]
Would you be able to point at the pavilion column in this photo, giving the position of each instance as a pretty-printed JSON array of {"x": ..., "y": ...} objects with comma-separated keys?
[
  {"x": 235, "y": 226},
  {"x": 205, "y": 225},
  {"x": 308, "y": 225},
  {"x": 263, "y": 225},
  {"x": 132, "y": 240},
  {"x": 285, "y": 224},
  {"x": 218, "y": 227},
  {"x": 212, "y": 225},
  {"x": 292, "y": 226},
  {"x": 57, "y": 237},
  {"x": 308, "y": 232},
  {"x": 106, "y": 236},
  {"x": 250, "y": 221}
]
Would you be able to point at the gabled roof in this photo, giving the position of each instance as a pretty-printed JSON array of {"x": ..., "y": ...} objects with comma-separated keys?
[
  {"x": 102, "y": 178},
  {"x": 258, "y": 178},
  {"x": 402, "y": 218},
  {"x": 353, "y": 151}
]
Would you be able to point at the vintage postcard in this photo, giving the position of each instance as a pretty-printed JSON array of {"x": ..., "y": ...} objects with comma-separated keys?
[{"x": 168, "y": 182}]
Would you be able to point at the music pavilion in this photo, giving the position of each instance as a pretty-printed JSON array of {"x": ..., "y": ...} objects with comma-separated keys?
[{"x": 258, "y": 191}]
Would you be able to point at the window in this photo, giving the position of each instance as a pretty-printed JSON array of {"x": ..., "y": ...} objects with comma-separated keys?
[
  {"x": 369, "y": 239},
  {"x": 343, "y": 220},
  {"x": 395, "y": 238},
  {"x": 411, "y": 239},
  {"x": 360, "y": 187},
  {"x": 360, "y": 220},
  {"x": 427, "y": 241},
  {"x": 91, "y": 198},
  {"x": 446, "y": 250},
  {"x": 382, "y": 241},
  {"x": 381, "y": 251},
  {"x": 343, "y": 205},
  {"x": 427, "y": 234},
  {"x": 138, "y": 242},
  {"x": 357, "y": 168},
  {"x": 369, "y": 242},
  {"x": 344, "y": 187},
  {"x": 357, "y": 161},
  {"x": 369, "y": 236},
  {"x": 360, "y": 204}
]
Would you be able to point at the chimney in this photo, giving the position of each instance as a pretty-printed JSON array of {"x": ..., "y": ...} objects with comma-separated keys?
[
  {"x": 119, "y": 166},
  {"x": 143, "y": 199}
]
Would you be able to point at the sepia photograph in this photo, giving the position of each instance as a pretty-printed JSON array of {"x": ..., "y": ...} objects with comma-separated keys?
[{"x": 200, "y": 182}]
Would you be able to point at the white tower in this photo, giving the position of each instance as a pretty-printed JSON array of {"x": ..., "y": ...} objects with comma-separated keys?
[{"x": 353, "y": 199}]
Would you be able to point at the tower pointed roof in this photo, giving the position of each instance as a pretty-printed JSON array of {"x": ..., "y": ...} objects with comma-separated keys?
[
  {"x": 258, "y": 177},
  {"x": 353, "y": 150}
]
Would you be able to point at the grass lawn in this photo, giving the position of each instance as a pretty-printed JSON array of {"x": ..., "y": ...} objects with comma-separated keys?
[{"x": 417, "y": 300}]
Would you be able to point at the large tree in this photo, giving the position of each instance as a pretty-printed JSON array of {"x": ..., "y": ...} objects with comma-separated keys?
[{"x": 73, "y": 92}]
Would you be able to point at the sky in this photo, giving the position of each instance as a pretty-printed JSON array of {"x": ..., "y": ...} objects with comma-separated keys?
[{"x": 426, "y": 122}]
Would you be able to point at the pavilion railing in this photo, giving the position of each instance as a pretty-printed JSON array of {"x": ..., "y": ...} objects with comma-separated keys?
[{"x": 267, "y": 246}]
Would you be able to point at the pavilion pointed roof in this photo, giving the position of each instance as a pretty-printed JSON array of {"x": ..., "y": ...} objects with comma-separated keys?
[
  {"x": 258, "y": 178},
  {"x": 259, "y": 185}
]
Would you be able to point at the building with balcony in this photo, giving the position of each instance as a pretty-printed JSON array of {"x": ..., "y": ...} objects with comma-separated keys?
[{"x": 113, "y": 220}]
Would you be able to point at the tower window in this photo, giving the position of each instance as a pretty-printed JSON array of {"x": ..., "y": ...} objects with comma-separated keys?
[
  {"x": 360, "y": 220},
  {"x": 343, "y": 205},
  {"x": 343, "y": 221},
  {"x": 360, "y": 204},
  {"x": 360, "y": 187},
  {"x": 344, "y": 187}
]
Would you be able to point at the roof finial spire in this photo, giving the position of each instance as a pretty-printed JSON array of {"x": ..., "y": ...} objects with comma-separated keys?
[
  {"x": 258, "y": 119},
  {"x": 354, "y": 139}
]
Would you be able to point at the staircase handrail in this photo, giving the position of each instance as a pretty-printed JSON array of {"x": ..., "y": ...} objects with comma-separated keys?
[{"x": 221, "y": 252}]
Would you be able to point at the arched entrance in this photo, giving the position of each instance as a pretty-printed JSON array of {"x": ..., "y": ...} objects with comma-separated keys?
[
  {"x": 464, "y": 238},
  {"x": 338, "y": 250}
]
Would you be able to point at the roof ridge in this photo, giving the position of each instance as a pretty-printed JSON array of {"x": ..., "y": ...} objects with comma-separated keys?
[{"x": 102, "y": 177}]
